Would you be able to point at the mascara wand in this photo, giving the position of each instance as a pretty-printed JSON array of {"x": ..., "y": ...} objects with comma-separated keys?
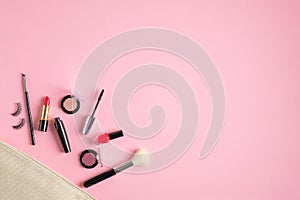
[
  {"x": 28, "y": 109},
  {"x": 90, "y": 119}
]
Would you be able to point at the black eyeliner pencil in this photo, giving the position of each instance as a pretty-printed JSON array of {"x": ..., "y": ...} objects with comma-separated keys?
[{"x": 28, "y": 110}]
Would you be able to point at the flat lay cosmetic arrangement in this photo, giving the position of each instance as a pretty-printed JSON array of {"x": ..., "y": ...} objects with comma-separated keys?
[
  {"x": 88, "y": 158},
  {"x": 144, "y": 100}
]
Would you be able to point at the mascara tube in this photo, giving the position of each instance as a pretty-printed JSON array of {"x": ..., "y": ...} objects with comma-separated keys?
[{"x": 59, "y": 125}]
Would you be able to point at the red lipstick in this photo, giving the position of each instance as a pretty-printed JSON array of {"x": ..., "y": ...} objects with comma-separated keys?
[
  {"x": 47, "y": 101},
  {"x": 106, "y": 137},
  {"x": 45, "y": 113}
]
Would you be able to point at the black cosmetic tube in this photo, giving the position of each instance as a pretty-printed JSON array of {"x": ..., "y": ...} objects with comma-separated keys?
[{"x": 59, "y": 125}]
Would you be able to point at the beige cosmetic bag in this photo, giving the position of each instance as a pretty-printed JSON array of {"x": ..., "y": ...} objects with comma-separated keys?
[{"x": 21, "y": 177}]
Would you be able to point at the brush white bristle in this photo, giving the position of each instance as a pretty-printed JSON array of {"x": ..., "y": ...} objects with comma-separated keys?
[{"x": 141, "y": 158}]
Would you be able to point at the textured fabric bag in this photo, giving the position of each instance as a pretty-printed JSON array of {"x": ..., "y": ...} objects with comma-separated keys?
[{"x": 21, "y": 177}]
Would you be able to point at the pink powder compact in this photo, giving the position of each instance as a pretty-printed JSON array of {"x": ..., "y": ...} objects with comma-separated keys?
[{"x": 89, "y": 158}]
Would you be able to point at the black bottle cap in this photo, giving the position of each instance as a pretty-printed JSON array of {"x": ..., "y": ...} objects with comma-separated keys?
[
  {"x": 59, "y": 125},
  {"x": 115, "y": 134}
]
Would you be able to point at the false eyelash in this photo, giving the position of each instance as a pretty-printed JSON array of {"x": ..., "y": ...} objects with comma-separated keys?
[
  {"x": 18, "y": 111},
  {"x": 20, "y": 125}
]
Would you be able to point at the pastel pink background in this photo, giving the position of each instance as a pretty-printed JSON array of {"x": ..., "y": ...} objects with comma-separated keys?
[{"x": 255, "y": 46}]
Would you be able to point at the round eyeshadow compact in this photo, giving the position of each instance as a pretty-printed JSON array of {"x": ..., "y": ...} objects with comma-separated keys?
[
  {"x": 89, "y": 159},
  {"x": 70, "y": 104}
]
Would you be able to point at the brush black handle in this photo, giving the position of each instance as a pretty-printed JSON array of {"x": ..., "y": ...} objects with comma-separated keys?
[
  {"x": 99, "y": 99},
  {"x": 29, "y": 118},
  {"x": 99, "y": 178}
]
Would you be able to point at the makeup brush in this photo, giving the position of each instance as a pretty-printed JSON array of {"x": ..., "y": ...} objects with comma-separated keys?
[
  {"x": 28, "y": 109},
  {"x": 140, "y": 158},
  {"x": 90, "y": 119}
]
